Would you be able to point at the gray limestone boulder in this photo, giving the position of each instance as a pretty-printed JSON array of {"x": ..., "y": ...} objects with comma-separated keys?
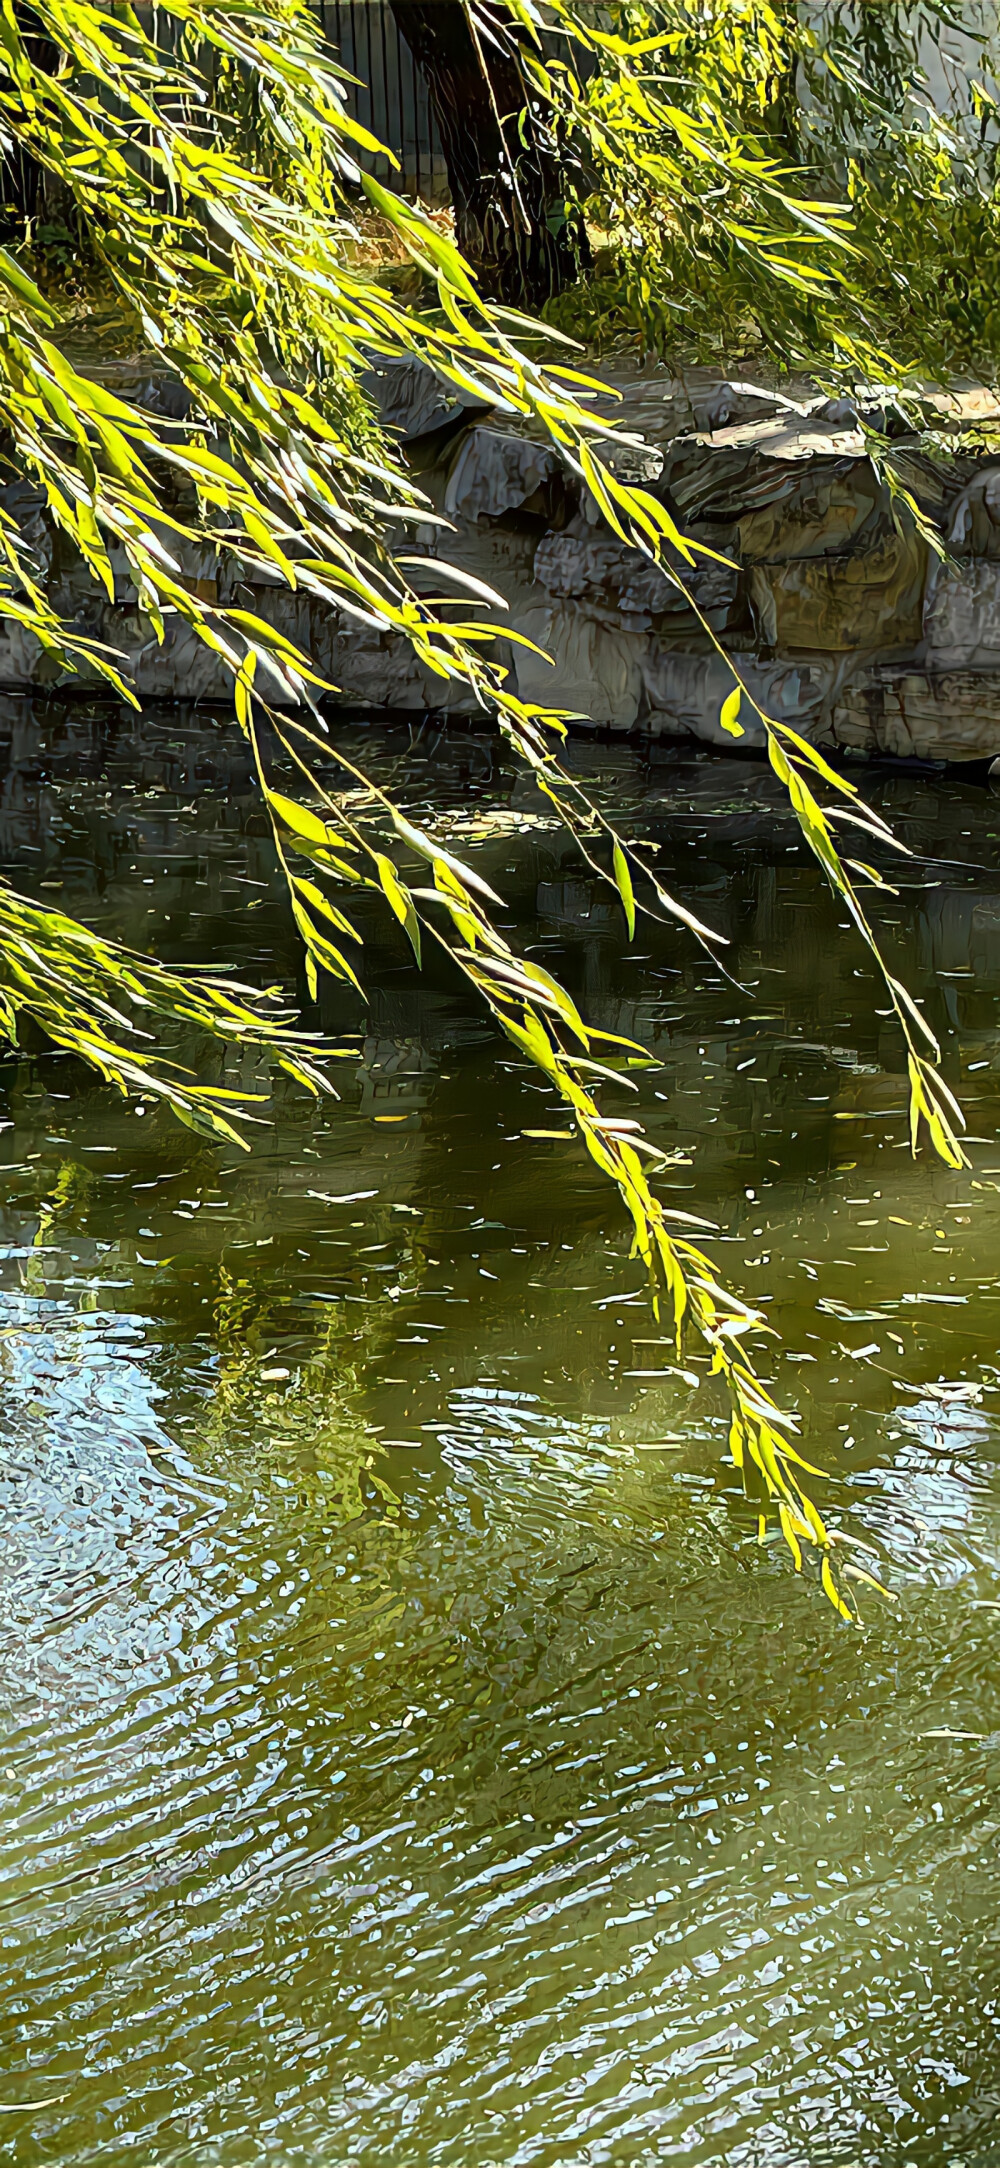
[
  {"x": 495, "y": 474},
  {"x": 839, "y": 617},
  {"x": 962, "y": 615},
  {"x": 943, "y": 715},
  {"x": 413, "y": 402},
  {"x": 684, "y": 695},
  {"x": 862, "y": 601},
  {"x": 585, "y": 668},
  {"x": 620, "y": 586}
]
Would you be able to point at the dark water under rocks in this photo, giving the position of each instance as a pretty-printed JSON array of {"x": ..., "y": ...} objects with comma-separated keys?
[{"x": 409, "y": 1757}]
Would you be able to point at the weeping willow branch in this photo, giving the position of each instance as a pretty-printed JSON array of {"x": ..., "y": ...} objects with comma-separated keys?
[
  {"x": 104, "y": 1003},
  {"x": 794, "y": 760},
  {"x": 231, "y": 251},
  {"x": 543, "y": 1022},
  {"x": 777, "y": 172}
]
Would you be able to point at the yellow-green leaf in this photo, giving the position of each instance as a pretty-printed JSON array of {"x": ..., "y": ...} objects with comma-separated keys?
[
  {"x": 298, "y": 818},
  {"x": 624, "y": 880},
  {"x": 729, "y": 713},
  {"x": 400, "y": 901}
]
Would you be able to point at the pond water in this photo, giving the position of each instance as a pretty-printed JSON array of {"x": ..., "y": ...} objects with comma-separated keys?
[{"x": 409, "y": 1755}]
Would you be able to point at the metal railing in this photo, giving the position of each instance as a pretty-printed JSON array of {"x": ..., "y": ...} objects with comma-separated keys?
[{"x": 390, "y": 98}]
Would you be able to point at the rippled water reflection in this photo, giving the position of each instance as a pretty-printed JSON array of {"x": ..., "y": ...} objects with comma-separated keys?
[{"x": 408, "y": 1754}]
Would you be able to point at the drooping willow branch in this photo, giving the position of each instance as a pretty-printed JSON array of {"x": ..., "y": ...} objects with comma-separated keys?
[
  {"x": 107, "y": 1005},
  {"x": 544, "y": 1023},
  {"x": 238, "y": 269}
]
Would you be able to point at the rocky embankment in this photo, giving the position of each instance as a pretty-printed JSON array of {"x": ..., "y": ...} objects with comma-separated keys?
[{"x": 837, "y": 613}]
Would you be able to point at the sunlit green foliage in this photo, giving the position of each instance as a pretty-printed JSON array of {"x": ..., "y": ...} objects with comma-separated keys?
[
  {"x": 108, "y": 1005},
  {"x": 774, "y": 178},
  {"x": 207, "y": 154}
]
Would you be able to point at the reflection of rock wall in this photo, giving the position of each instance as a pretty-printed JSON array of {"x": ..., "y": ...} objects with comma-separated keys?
[{"x": 838, "y": 616}]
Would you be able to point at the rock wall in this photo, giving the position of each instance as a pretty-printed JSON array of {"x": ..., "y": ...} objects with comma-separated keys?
[{"x": 819, "y": 583}]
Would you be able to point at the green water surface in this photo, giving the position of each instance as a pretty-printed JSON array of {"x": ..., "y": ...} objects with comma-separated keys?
[{"x": 409, "y": 1756}]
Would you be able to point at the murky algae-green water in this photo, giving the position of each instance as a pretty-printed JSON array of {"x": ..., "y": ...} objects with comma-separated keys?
[{"x": 408, "y": 1756}]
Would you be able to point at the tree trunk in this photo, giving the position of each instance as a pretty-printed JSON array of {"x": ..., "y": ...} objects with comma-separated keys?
[{"x": 503, "y": 166}]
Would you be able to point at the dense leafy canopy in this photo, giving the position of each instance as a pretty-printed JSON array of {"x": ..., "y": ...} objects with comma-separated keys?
[{"x": 774, "y": 179}]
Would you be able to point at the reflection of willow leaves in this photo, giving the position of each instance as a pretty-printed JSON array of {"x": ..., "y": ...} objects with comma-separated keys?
[
  {"x": 318, "y": 1419},
  {"x": 70, "y": 1188},
  {"x": 540, "y": 1017},
  {"x": 208, "y": 153}
]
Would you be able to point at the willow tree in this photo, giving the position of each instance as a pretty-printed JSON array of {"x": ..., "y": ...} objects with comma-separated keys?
[
  {"x": 714, "y": 134},
  {"x": 207, "y": 154},
  {"x": 507, "y": 159}
]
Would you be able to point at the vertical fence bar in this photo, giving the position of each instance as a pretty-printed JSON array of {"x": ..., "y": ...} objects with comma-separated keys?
[
  {"x": 391, "y": 97},
  {"x": 398, "y": 51}
]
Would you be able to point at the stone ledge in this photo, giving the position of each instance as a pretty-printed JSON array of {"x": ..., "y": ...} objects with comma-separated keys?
[{"x": 838, "y": 616}]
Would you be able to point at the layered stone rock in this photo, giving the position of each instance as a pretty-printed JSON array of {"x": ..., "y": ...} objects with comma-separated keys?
[{"x": 811, "y": 570}]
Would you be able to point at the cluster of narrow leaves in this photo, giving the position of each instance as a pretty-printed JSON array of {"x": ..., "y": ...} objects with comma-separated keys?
[
  {"x": 452, "y": 909},
  {"x": 795, "y": 762},
  {"x": 775, "y": 176},
  {"x": 801, "y": 767},
  {"x": 246, "y": 289},
  {"x": 712, "y": 223},
  {"x": 920, "y": 181},
  {"x": 108, "y": 1005},
  {"x": 238, "y": 273}
]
